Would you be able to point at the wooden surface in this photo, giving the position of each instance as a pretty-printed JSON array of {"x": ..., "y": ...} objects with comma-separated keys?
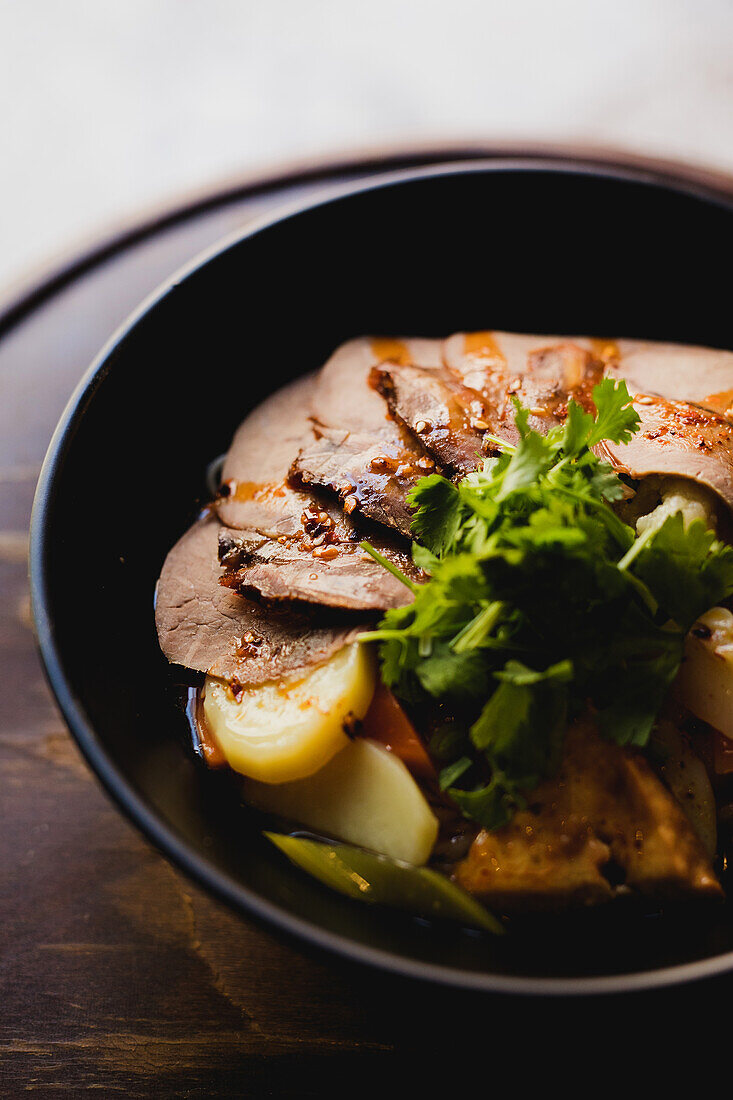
[{"x": 117, "y": 974}]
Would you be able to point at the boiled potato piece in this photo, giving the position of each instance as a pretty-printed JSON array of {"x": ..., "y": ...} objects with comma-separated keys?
[
  {"x": 705, "y": 681},
  {"x": 285, "y": 730},
  {"x": 687, "y": 778},
  {"x": 679, "y": 494},
  {"x": 365, "y": 796}
]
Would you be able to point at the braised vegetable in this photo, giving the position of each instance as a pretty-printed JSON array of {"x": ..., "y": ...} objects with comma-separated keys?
[
  {"x": 706, "y": 677},
  {"x": 687, "y": 778},
  {"x": 288, "y": 729},
  {"x": 364, "y": 795},
  {"x": 387, "y": 722},
  {"x": 372, "y": 878}
]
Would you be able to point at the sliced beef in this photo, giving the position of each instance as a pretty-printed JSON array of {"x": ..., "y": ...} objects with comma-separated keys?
[
  {"x": 681, "y": 439},
  {"x": 605, "y": 806},
  {"x": 334, "y": 574},
  {"x": 541, "y": 372},
  {"x": 362, "y": 453},
  {"x": 204, "y": 626},
  {"x": 256, "y": 492},
  {"x": 684, "y": 397},
  {"x": 369, "y": 474},
  {"x": 450, "y": 419},
  {"x": 297, "y": 544},
  {"x": 383, "y": 413},
  {"x": 702, "y": 376},
  {"x": 680, "y": 436},
  {"x": 343, "y": 397}
]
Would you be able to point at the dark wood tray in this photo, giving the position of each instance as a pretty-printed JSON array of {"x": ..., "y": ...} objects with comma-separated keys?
[{"x": 117, "y": 973}]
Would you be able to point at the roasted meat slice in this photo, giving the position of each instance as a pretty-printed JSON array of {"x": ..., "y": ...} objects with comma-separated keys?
[
  {"x": 256, "y": 494},
  {"x": 204, "y": 626},
  {"x": 702, "y": 376},
  {"x": 605, "y": 807},
  {"x": 450, "y": 419},
  {"x": 287, "y": 543},
  {"x": 361, "y": 453},
  {"x": 337, "y": 573},
  {"x": 541, "y": 372},
  {"x": 679, "y": 391},
  {"x": 681, "y": 439},
  {"x": 369, "y": 474}
]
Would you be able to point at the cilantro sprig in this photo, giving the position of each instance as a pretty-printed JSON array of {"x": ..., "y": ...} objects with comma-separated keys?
[{"x": 541, "y": 604}]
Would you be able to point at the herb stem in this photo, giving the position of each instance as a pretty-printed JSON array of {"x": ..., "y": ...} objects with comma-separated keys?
[
  {"x": 475, "y": 631},
  {"x": 388, "y": 565},
  {"x": 635, "y": 549},
  {"x": 381, "y": 636},
  {"x": 613, "y": 524},
  {"x": 507, "y": 448}
]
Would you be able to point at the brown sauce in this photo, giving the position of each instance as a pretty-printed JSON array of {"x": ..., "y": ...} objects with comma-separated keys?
[
  {"x": 482, "y": 345},
  {"x": 204, "y": 742},
  {"x": 252, "y": 490},
  {"x": 607, "y": 351},
  {"x": 720, "y": 403},
  {"x": 387, "y": 350}
]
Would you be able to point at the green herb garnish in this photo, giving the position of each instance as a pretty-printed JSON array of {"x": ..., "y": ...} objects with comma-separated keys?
[{"x": 542, "y": 604}]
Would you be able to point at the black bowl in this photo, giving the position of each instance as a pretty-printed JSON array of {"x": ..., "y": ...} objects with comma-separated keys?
[{"x": 520, "y": 244}]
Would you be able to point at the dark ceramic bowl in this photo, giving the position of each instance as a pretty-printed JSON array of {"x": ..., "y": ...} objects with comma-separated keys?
[{"x": 523, "y": 245}]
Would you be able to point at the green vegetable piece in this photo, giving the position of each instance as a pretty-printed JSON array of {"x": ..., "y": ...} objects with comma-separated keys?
[{"x": 376, "y": 879}]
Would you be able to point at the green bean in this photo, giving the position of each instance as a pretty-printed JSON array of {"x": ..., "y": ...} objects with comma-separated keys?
[{"x": 379, "y": 880}]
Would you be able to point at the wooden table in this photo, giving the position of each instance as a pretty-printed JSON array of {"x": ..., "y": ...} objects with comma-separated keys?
[{"x": 117, "y": 974}]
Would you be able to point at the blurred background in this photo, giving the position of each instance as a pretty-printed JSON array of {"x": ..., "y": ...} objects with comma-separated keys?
[{"x": 110, "y": 108}]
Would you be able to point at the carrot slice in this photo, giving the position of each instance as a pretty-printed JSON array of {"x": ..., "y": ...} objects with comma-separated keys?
[{"x": 387, "y": 723}]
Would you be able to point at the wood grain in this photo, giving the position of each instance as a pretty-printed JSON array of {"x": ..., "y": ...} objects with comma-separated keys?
[{"x": 116, "y": 973}]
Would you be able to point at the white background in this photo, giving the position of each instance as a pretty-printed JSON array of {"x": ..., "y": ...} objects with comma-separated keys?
[{"x": 109, "y": 106}]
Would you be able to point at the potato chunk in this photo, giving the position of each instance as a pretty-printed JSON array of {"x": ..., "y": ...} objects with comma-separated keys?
[
  {"x": 365, "y": 796},
  {"x": 679, "y": 494},
  {"x": 285, "y": 730},
  {"x": 686, "y": 776},
  {"x": 705, "y": 681}
]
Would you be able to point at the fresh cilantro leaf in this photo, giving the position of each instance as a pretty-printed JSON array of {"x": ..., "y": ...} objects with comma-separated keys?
[
  {"x": 605, "y": 482},
  {"x": 438, "y": 512},
  {"x": 520, "y": 729},
  {"x": 530, "y": 459},
  {"x": 423, "y": 558},
  {"x": 616, "y": 418},
  {"x": 491, "y": 805},
  {"x": 574, "y": 434},
  {"x": 445, "y": 674},
  {"x": 686, "y": 568}
]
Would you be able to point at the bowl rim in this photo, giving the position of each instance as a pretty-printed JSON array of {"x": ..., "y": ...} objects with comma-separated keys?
[{"x": 137, "y": 810}]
